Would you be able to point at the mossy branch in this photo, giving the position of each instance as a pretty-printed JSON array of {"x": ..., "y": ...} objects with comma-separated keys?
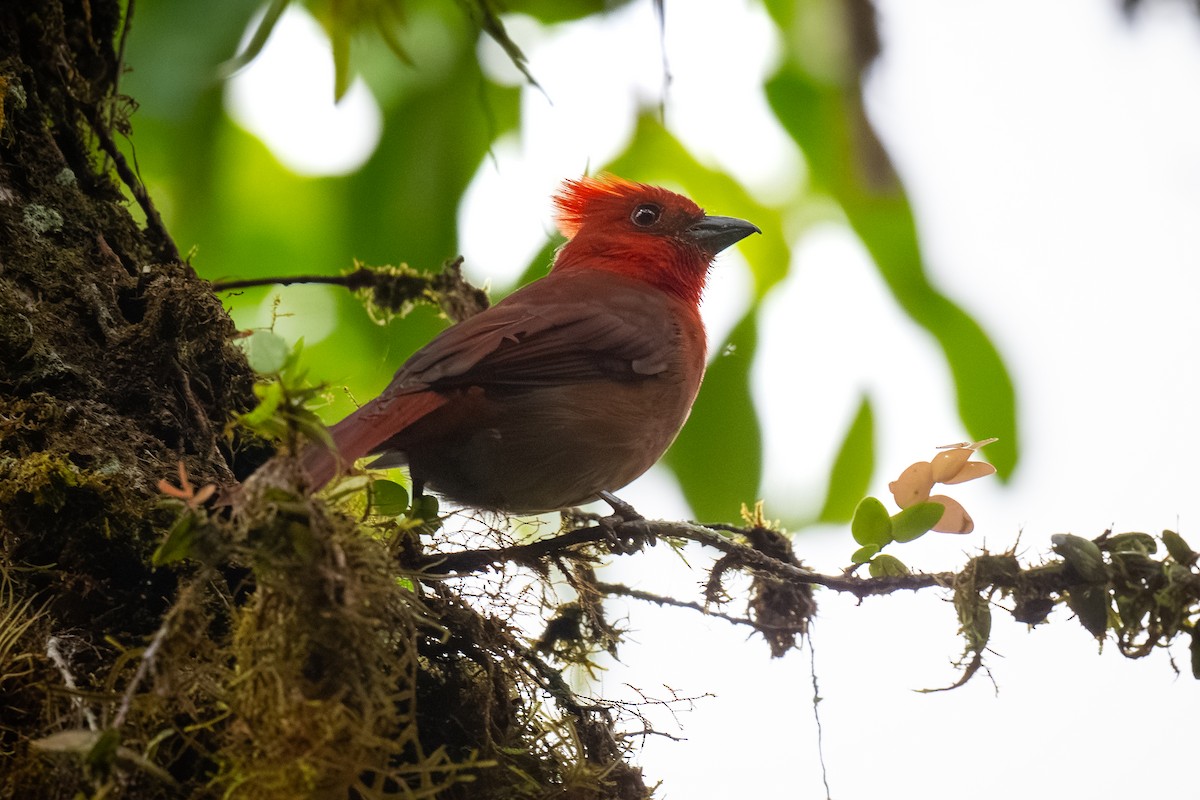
[
  {"x": 1114, "y": 582},
  {"x": 390, "y": 290}
]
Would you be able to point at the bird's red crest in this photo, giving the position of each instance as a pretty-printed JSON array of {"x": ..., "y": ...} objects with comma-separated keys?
[{"x": 580, "y": 197}]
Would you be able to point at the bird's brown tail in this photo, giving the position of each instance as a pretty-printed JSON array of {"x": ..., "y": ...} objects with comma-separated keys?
[{"x": 362, "y": 432}]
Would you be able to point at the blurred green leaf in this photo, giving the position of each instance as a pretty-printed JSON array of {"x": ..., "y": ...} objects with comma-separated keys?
[
  {"x": 104, "y": 751},
  {"x": 339, "y": 41},
  {"x": 402, "y": 207},
  {"x": 1194, "y": 652},
  {"x": 180, "y": 126},
  {"x": 388, "y": 498},
  {"x": 258, "y": 39},
  {"x": 178, "y": 543},
  {"x": 267, "y": 352},
  {"x": 718, "y": 455},
  {"x": 424, "y": 508},
  {"x": 270, "y": 397},
  {"x": 864, "y": 554},
  {"x": 819, "y": 118},
  {"x": 485, "y": 15},
  {"x": 174, "y": 55},
  {"x": 916, "y": 521},
  {"x": 246, "y": 215},
  {"x": 851, "y": 472},
  {"x": 871, "y": 524},
  {"x": 561, "y": 10},
  {"x": 539, "y": 265}
]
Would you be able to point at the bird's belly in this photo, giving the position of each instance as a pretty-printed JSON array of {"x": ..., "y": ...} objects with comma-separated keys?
[{"x": 552, "y": 447}]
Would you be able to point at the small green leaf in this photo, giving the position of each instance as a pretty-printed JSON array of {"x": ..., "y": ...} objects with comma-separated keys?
[
  {"x": 974, "y": 619},
  {"x": 104, "y": 751},
  {"x": 310, "y": 426},
  {"x": 267, "y": 352},
  {"x": 263, "y": 32},
  {"x": 864, "y": 554},
  {"x": 1195, "y": 653},
  {"x": 1090, "y": 604},
  {"x": 1082, "y": 555},
  {"x": 178, "y": 544},
  {"x": 270, "y": 395},
  {"x": 871, "y": 523},
  {"x": 388, "y": 498},
  {"x": 292, "y": 375},
  {"x": 425, "y": 508},
  {"x": 885, "y": 566},
  {"x": 915, "y": 521},
  {"x": 1179, "y": 550},
  {"x": 1133, "y": 542}
]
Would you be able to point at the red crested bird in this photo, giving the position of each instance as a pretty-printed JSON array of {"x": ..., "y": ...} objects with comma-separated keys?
[{"x": 571, "y": 386}]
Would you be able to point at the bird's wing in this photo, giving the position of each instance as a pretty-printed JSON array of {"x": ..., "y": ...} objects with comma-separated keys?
[{"x": 536, "y": 338}]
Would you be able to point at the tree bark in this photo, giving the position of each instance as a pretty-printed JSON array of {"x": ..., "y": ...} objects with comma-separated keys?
[{"x": 116, "y": 365}]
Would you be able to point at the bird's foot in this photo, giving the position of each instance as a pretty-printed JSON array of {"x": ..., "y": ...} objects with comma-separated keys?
[{"x": 625, "y": 529}]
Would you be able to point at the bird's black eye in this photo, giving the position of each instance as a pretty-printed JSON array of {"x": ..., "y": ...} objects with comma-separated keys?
[{"x": 646, "y": 215}]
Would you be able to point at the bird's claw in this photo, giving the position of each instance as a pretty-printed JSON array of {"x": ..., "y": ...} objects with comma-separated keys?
[{"x": 625, "y": 529}]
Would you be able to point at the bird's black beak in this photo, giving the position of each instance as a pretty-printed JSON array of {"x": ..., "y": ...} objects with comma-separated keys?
[{"x": 714, "y": 234}]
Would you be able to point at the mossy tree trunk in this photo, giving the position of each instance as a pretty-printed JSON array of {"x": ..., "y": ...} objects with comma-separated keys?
[{"x": 116, "y": 365}]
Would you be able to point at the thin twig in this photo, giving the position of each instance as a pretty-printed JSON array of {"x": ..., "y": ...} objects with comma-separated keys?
[
  {"x": 130, "y": 178},
  {"x": 148, "y": 657},
  {"x": 812, "y": 668},
  {"x": 150, "y": 654},
  {"x": 126, "y": 26},
  {"x": 621, "y": 590},
  {"x": 54, "y": 653},
  {"x": 358, "y": 279},
  {"x": 466, "y": 561},
  {"x": 392, "y": 288}
]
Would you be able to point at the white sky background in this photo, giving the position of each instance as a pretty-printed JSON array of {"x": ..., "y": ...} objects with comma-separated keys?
[{"x": 1052, "y": 153}]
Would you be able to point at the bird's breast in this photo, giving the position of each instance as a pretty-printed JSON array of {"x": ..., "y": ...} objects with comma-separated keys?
[{"x": 548, "y": 447}]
